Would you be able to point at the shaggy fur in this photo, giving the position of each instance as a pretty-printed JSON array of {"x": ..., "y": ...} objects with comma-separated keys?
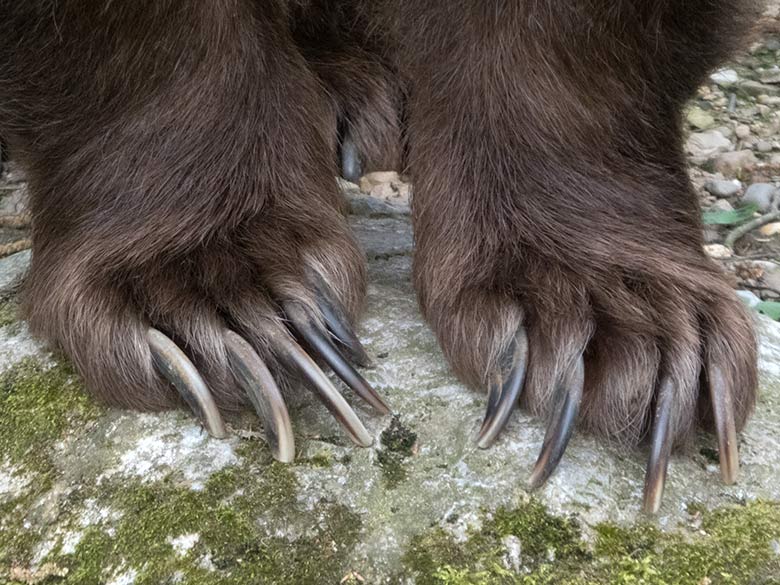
[{"x": 181, "y": 158}]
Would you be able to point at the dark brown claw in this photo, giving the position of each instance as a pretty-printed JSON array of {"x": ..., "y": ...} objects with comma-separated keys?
[
  {"x": 323, "y": 347},
  {"x": 295, "y": 357},
  {"x": 725, "y": 426},
  {"x": 503, "y": 393},
  {"x": 177, "y": 368},
  {"x": 660, "y": 448},
  {"x": 568, "y": 396},
  {"x": 351, "y": 167},
  {"x": 264, "y": 394},
  {"x": 338, "y": 324}
]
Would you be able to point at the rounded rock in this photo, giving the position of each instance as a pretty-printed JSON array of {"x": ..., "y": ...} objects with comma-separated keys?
[
  {"x": 761, "y": 195},
  {"x": 723, "y": 188}
]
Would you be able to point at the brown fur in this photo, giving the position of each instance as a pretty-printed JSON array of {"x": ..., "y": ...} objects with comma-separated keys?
[
  {"x": 181, "y": 159},
  {"x": 551, "y": 190}
]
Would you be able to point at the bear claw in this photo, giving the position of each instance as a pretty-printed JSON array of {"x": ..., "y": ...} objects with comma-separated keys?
[
  {"x": 177, "y": 368},
  {"x": 566, "y": 406},
  {"x": 257, "y": 382},
  {"x": 264, "y": 394},
  {"x": 503, "y": 393}
]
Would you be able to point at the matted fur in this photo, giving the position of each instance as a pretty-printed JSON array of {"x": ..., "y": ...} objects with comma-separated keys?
[{"x": 181, "y": 159}]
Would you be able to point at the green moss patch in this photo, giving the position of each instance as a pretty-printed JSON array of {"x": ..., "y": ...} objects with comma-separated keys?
[
  {"x": 734, "y": 545},
  {"x": 546, "y": 542},
  {"x": 223, "y": 524},
  {"x": 398, "y": 443},
  {"x": 229, "y": 543},
  {"x": 38, "y": 405},
  {"x": 8, "y": 312}
]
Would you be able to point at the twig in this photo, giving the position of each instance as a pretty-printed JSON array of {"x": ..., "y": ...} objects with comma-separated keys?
[
  {"x": 760, "y": 287},
  {"x": 750, "y": 257},
  {"x": 748, "y": 227}
]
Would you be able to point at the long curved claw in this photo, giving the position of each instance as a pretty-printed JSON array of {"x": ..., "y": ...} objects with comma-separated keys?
[
  {"x": 503, "y": 394},
  {"x": 338, "y": 324},
  {"x": 561, "y": 425},
  {"x": 177, "y": 368},
  {"x": 326, "y": 350},
  {"x": 264, "y": 395},
  {"x": 351, "y": 167},
  {"x": 725, "y": 426},
  {"x": 660, "y": 448},
  {"x": 319, "y": 383}
]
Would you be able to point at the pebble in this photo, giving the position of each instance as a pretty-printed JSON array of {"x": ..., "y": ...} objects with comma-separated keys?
[
  {"x": 770, "y": 229},
  {"x": 730, "y": 163},
  {"x": 700, "y": 119},
  {"x": 756, "y": 88},
  {"x": 742, "y": 131},
  {"x": 371, "y": 180},
  {"x": 770, "y": 75},
  {"x": 760, "y": 194},
  {"x": 725, "y": 77},
  {"x": 748, "y": 297},
  {"x": 721, "y": 205},
  {"x": 727, "y": 131},
  {"x": 769, "y": 100},
  {"x": 13, "y": 267},
  {"x": 763, "y": 146},
  {"x": 723, "y": 188},
  {"x": 707, "y": 144},
  {"x": 718, "y": 251}
]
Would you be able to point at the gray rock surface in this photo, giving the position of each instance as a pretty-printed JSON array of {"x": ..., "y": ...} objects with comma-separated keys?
[
  {"x": 723, "y": 188},
  {"x": 706, "y": 144},
  {"x": 760, "y": 194},
  {"x": 443, "y": 481},
  {"x": 13, "y": 267}
]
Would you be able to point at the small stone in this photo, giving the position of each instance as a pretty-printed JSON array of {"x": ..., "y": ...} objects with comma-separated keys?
[
  {"x": 371, "y": 180},
  {"x": 362, "y": 205},
  {"x": 700, "y": 119},
  {"x": 384, "y": 191},
  {"x": 718, "y": 251},
  {"x": 707, "y": 144},
  {"x": 756, "y": 88},
  {"x": 748, "y": 297},
  {"x": 769, "y": 100},
  {"x": 760, "y": 194},
  {"x": 721, "y": 205},
  {"x": 763, "y": 146},
  {"x": 730, "y": 163},
  {"x": 770, "y": 75},
  {"x": 723, "y": 188},
  {"x": 13, "y": 267},
  {"x": 725, "y": 77},
  {"x": 770, "y": 229},
  {"x": 742, "y": 131},
  {"x": 727, "y": 131}
]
